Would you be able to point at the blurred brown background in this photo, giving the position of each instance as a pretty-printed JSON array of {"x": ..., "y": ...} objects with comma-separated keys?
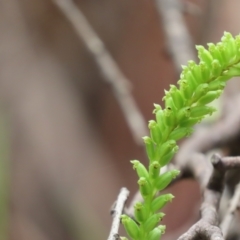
[{"x": 65, "y": 145}]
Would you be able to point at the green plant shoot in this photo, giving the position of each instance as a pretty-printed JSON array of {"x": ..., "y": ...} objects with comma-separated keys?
[{"x": 185, "y": 106}]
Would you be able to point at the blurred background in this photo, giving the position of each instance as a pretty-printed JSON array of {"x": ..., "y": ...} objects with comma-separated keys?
[{"x": 65, "y": 144}]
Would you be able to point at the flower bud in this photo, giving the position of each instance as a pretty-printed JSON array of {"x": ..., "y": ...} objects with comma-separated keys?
[
  {"x": 216, "y": 68},
  {"x": 191, "y": 80},
  {"x": 185, "y": 88},
  {"x": 237, "y": 42},
  {"x": 204, "y": 55},
  {"x": 169, "y": 103},
  {"x": 214, "y": 51},
  {"x": 164, "y": 160},
  {"x": 177, "y": 97},
  {"x": 140, "y": 212},
  {"x": 130, "y": 226},
  {"x": 180, "y": 133},
  {"x": 160, "y": 119},
  {"x": 231, "y": 47},
  {"x": 200, "y": 91},
  {"x": 157, "y": 107},
  {"x": 149, "y": 148},
  {"x": 140, "y": 168},
  {"x": 183, "y": 114},
  {"x": 185, "y": 70},
  {"x": 162, "y": 228},
  {"x": 164, "y": 148},
  {"x": 144, "y": 186},
  {"x": 222, "y": 49},
  {"x": 156, "y": 233},
  {"x": 190, "y": 122},
  {"x": 159, "y": 202},
  {"x": 209, "y": 97},
  {"x": 196, "y": 72},
  {"x": 191, "y": 64},
  {"x": 232, "y": 72},
  {"x": 201, "y": 111},
  {"x": 216, "y": 85},
  {"x": 155, "y": 132},
  {"x": 154, "y": 169},
  {"x": 223, "y": 78},
  {"x": 165, "y": 179},
  {"x": 205, "y": 70},
  {"x": 169, "y": 117},
  {"x": 153, "y": 221},
  {"x": 237, "y": 65}
]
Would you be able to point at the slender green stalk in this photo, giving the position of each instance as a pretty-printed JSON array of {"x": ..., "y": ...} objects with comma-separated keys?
[{"x": 185, "y": 106}]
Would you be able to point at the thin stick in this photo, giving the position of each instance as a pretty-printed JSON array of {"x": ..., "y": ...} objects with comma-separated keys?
[
  {"x": 116, "y": 212},
  {"x": 225, "y": 224},
  {"x": 177, "y": 35},
  {"x": 109, "y": 69}
]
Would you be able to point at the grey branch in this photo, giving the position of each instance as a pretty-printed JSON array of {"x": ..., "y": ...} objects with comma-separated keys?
[
  {"x": 191, "y": 8},
  {"x": 108, "y": 68},
  {"x": 178, "y": 38},
  {"x": 207, "y": 226},
  {"x": 234, "y": 203},
  {"x": 116, "y": 213}
]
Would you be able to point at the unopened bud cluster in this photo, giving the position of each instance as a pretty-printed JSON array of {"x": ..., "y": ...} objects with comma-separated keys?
[{"x": 185, "y": 106}]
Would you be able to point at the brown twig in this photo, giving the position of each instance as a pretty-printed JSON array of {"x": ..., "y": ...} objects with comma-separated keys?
[{"x": 108, "y": 67}]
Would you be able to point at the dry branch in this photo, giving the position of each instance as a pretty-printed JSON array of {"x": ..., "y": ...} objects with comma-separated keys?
[
  {"x": 233, "y": 206},
  {"x": 108, "y": 67},
  {"x": 177, "y": 35},
  {"x": 116, "y": 213},
  {"x": 208, "y": 226}
]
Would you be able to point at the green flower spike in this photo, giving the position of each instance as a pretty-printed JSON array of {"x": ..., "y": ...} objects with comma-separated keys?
[{"x": 185, "y": 106}]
